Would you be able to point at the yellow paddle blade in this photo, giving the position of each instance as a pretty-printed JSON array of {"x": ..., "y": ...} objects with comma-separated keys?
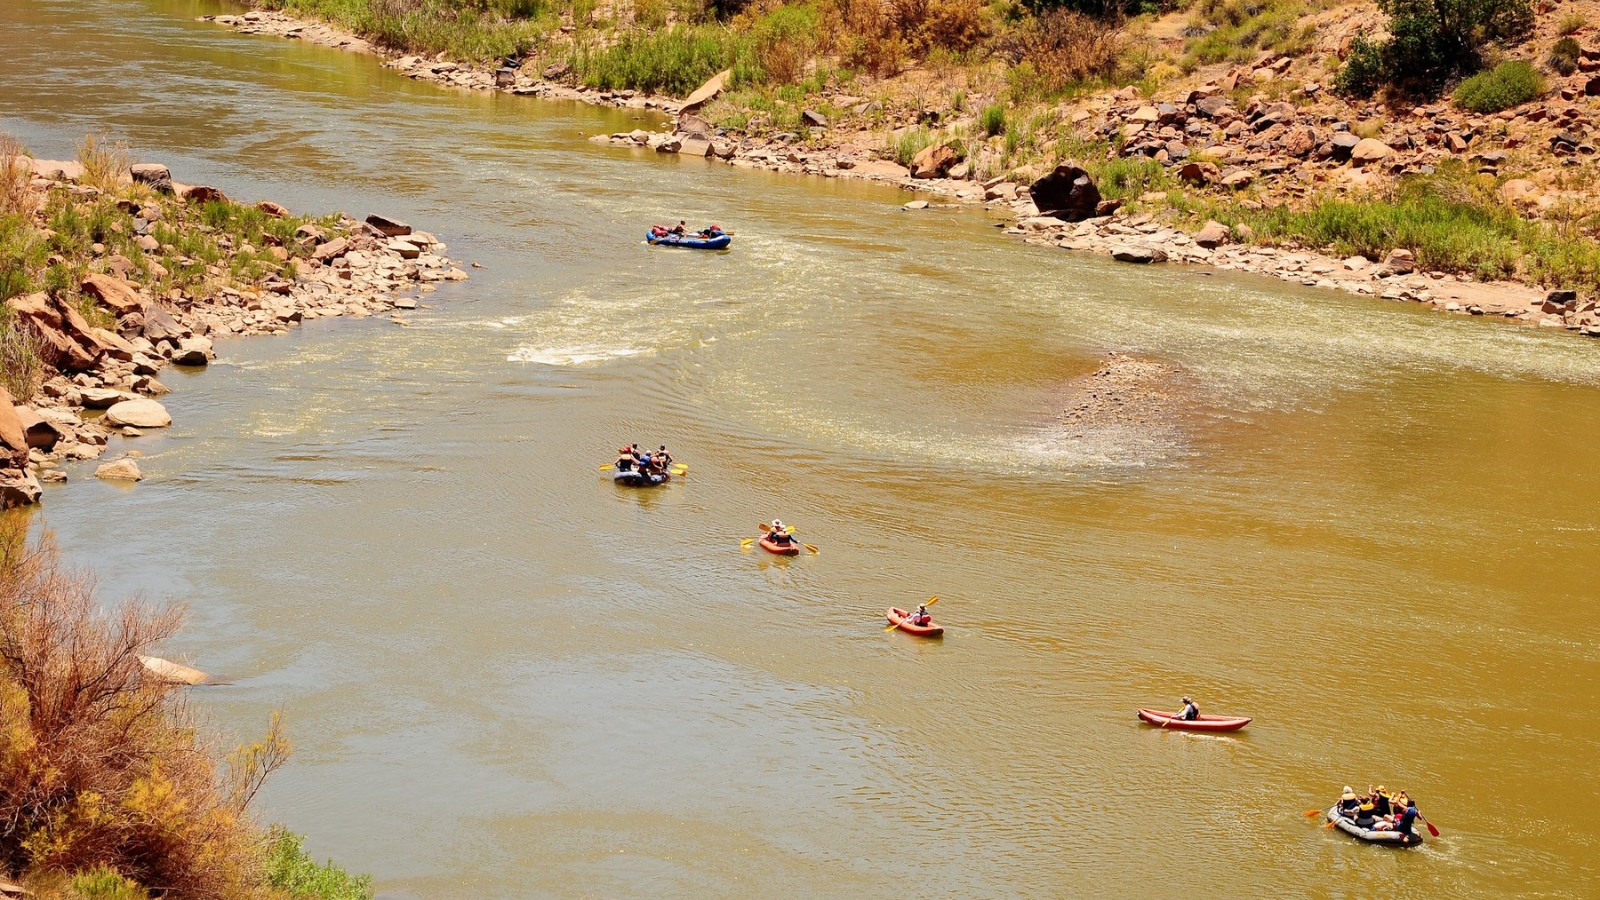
[
  {"x": 607, "y": 466},
  {"x": 812, "y": 548},
  {"x": 892, "y": 626},
  {"x": 932, "y": 600},
  {"x": 747, "y": 542}
]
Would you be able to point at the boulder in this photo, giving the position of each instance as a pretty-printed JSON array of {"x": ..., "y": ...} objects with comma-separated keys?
[
  {"x": 1238, "y": 179},
  {"x": 159, "y": 325},
  {"x": 156, "y": 175},
  {"x": 694, "y": 146},
  {"x": 1201, "y": 173},
  {"x": 330, "y": 251},
  {"x": 1561, "y": 298},
  {"x": 1068, "y": 193},
  {"x": 1400, "y": 261},
  {"x": 1368, "y": 151},
  {"x": 1214, "y": 234},
  {"x": 18, "y": 488},
  {"x": 933, "y": 162},
  {"x": 56, "y": 170},
  {"x": 13, "y": 436},
  {"x": 813, "y": 119},
  {"x": 200, "y": 193},
  {"x": 195, "y": 351},
  {"x": 705, "y": 92},
  {"x": 40, "y": 433},
  {"x": 101, "y": 398},
  {"x": 1343, "y": 144},
  {"x": 1280, "y": 113},
  {"x": 555, "y": 70},
  {"x": 1299, "y": 142},
  {"x": 113, "y": 293},
  {"x": 1213, "y": 107},
  {"x": 1145, "y": 115},
  {"x": 114, "y": 345},
  {"x": 388, "y": 227},
  {"x": 1130, "y": 253},
  {"x": 140, "y": 413},
  {"x": 273, "y": 210},
  {"x": 1519, "y": 190},
  {"x": 125, "y": 469},
  {"x": 50, "y": 324}
]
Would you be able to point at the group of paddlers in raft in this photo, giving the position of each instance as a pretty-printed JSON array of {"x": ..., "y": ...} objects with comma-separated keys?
[
  {"x": 1378, "y": 816},
  {"x": 630, "y": 459},
  {"x": 682, "y": 230}
]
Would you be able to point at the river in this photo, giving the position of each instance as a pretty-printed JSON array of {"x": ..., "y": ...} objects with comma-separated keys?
[{"x": 1374, "y": 531}]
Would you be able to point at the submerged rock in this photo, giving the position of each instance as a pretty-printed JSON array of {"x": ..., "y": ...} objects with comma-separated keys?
[{"x": 119, "y": 470}]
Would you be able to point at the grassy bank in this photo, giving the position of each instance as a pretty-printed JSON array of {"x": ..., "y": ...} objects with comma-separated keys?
[
  {"x": 176, "y": 249},
  {"x": 1453, "y": 219},
  {"x": 108, "y": 789}
]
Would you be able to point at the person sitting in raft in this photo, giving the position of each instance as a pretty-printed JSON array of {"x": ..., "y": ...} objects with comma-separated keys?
[
  {"x": 679, "y": 229},
  {"x": 1190, "y": 711},
  {"x": 1366, "y": 813},
  {"x": 710, "y": 231},
  {"x": 663, "y": 455},
  {"x": 1348, "y": 802},
  {"x": 625, "y": 460},
  {"x": 1382, "y": 802},
  {"x": 921, "y": 618},
  {"x": 780, "y": 533}
]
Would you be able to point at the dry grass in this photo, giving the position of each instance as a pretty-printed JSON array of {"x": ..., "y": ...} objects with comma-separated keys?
[
  {"x": 17, "y": 196},
  {"x": 105, "y": 161},
  {"x": 100, "y": 764},
  {"x": 1062, "y": 48}
]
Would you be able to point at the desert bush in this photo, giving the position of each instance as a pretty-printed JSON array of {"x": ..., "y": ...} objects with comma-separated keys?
[
  {"x": 1509, "y": 84},
  {"x": 1238, "y": 30},
  {"x": 105, "y": 884},
  {"x": 104, "y": 161},
  {"x": 17, "y": 196},
  {"x": 1564, "y": 56},
  {"x": 291, "y": 870},
  {"x": 955, "y": 26},
  {"x": 1571, "y": 23},
  {"x": 910, "y": 142},
  {"x": 100, "y": 764},
  {"x": 1063, "y": 48},
  {"x": 24, "y": 357},
  {"x": 993, "y": 120},
  {"x": 675, "y": 61},
  {"x": 785, "y": 40},
  {"x": 1433, "y": 41}
]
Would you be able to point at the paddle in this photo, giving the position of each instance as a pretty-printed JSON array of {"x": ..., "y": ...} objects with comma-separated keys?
[
  {"x": 1314, "y": 812},
  {"x": 931, "y": 601},
  {"x": 1431, "y": 830}
]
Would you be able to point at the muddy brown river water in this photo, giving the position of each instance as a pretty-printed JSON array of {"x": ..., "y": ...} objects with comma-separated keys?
[{"x": 1374, "y": 528}]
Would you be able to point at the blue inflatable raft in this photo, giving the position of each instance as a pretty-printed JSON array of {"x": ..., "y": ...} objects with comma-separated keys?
[{"x": 692, "y": 241}]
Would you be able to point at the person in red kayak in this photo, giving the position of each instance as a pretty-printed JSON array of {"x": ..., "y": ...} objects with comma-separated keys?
[
  {"x": 921, "y": 618},
  {"x": 780, "y": 533},
  {"x": 1189, "y": 713}
]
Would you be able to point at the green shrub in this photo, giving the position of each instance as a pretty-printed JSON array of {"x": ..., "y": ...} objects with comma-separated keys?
[
  {"x": 911, "y": 142},
  {"x": 291, "y": 870},
  {"x": 1564, "y": 56},
  {"x": 1509, "y": 84},
  {"x": 1430, "y": 42},
  {"x": 23, "y": 358},
  {"x": 675, "y": 61},
  {"x": 1128, "y": 177},
  {"x": 1572, "y": 22},
  {"x": 993, "y": 119},
  {"x": 105, "y": 884}
]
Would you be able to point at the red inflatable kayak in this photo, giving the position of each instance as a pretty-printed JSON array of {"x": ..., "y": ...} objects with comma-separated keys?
[
  {"x": 1204, "y": 723},
  {"x": 902, "y": 618},
  {"x": 771, "y": 546}
]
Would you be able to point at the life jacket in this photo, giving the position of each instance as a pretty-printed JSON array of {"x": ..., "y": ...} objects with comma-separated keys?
[
  {"x": 1191, "y": 713},
  {"x": 1406, "y": 819},
  {"x": 781, "y": 538},
  {"x": 1364, "y": 812},
  {"x": 1382, "y": 803},
  {"x": 625, "y": 464},
  {"x": 921, "y": 618}
]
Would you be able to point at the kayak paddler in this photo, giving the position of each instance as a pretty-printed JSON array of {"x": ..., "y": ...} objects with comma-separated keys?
[
  {"x": 921, "y": 618},
  {"x": 780, "y": 533},
  {"x": 1189, "y": 713}
]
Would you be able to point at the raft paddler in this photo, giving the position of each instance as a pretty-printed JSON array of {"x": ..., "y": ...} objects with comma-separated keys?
[
  {"x": 1349, "y": 802},
  {"x": 1189, "y": 713},
  {"x": 625, "y": 460},
  {"x": 1381, "y": 801},
  {"x": 780, "y": 533}
]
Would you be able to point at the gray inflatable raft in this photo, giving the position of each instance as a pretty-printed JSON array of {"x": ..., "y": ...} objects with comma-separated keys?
[{"x": 1370, "y": 835}]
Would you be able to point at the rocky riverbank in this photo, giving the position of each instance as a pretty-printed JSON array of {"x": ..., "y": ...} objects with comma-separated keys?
[
  {"x": 171, "y": 270},
  {"x": 1250, "y": 138}
]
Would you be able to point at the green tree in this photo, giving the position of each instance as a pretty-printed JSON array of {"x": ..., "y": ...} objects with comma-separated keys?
[{"x": 1433, "y": 41}]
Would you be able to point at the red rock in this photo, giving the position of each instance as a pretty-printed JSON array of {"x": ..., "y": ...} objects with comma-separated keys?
[
  {"x": 113, "y": 293},
  {"x": 48, "y": 322},
  {"x": 13, "y": 438},
  {"x": 933, "y": 162}
]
